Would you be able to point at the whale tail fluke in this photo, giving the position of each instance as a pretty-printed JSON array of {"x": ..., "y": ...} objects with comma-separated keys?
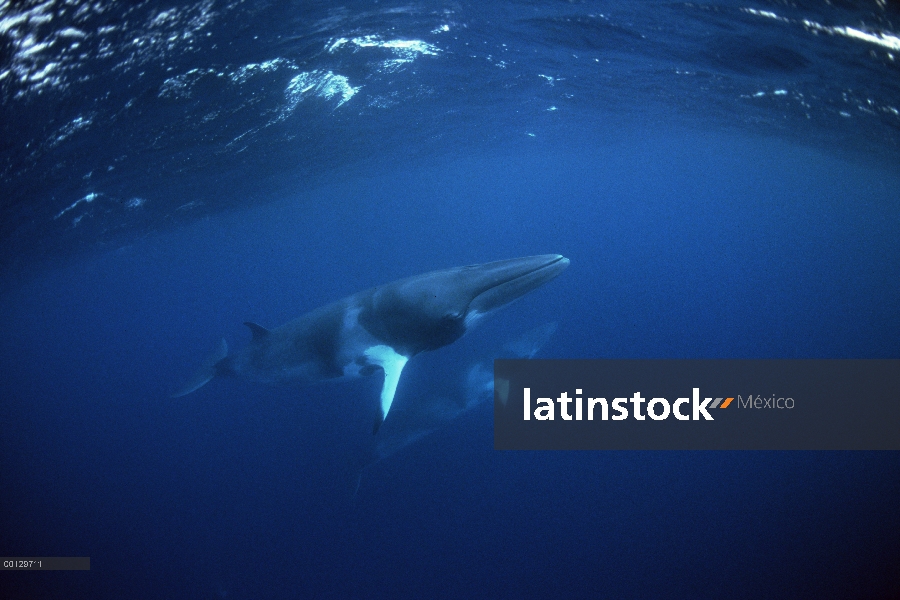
[{"x": 207, "y": 370}]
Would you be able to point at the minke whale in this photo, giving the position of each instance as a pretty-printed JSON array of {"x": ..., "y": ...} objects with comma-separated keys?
[{"x": 379, "y": 329}]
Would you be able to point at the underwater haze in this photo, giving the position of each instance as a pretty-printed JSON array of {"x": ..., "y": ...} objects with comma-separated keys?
[{"x": 723, "y": 177}]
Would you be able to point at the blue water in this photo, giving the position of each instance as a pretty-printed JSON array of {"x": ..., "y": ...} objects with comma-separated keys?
[{"x": 705, "y": 213}]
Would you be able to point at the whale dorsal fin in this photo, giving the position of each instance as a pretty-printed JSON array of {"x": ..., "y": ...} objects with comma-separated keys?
[
  {"x": 259, "y": 332},
  {"x": 388, "y": 359}
]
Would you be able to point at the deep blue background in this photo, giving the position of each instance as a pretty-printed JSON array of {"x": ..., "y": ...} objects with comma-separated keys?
[
  {"x": 682, "y": 245},
  {"x": 722, "y": 176}
]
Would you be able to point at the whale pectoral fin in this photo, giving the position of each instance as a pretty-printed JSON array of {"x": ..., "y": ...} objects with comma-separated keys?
[{"x": 392, "y": 363}]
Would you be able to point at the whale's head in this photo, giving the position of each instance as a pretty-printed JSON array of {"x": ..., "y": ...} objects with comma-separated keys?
[{"x": 433, "y": 310}]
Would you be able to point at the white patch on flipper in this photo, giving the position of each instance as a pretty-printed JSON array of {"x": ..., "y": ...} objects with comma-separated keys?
[
  {"x": 392, "y": 363},
  {"x": 472, "y": 317}
]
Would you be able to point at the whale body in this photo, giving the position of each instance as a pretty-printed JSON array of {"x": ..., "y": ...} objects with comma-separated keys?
[{"x": 379, "y": 329}]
